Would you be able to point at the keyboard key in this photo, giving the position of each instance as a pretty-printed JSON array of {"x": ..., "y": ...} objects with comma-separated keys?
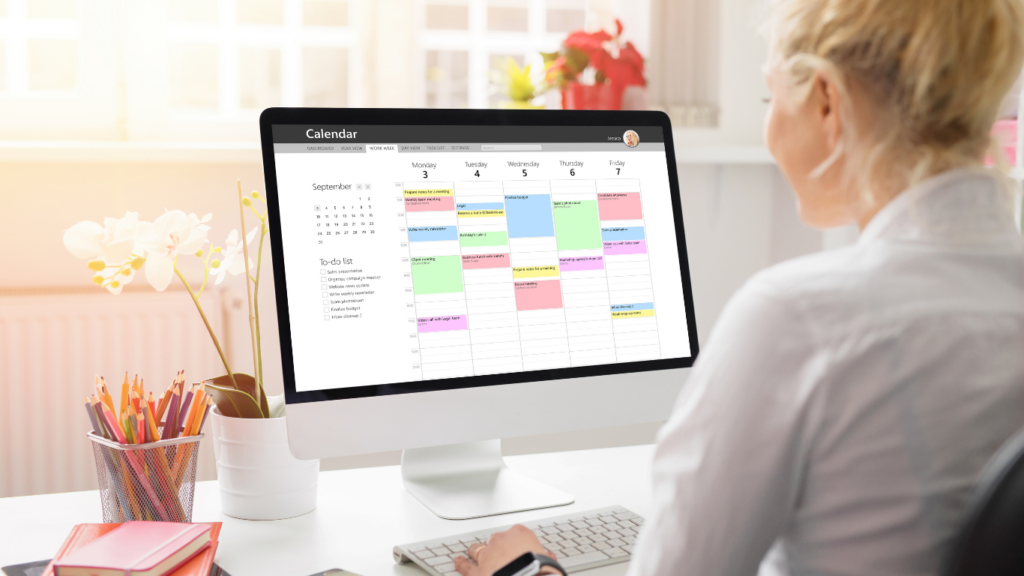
[
  {"x": 609, "y": 519},
  {"x": 630, "y": 539},
  {"x": 626, "y": 516},
  {"x": 555, "y": 538},
  {"x": 468, "y": 540},
  {"x": 628, "y": 532},
  {"x": 567, "y": 529},
  {"x": 615, "y": 552},
  {"x": 562, "y": 523},
  {"x": 436, "y": 560},
  {"x": 595, "y": 522},
  {"x": 544, "y": 540},
  {"x": 600, "y": 546},
  {"x": 580, "y": 525},
  {"x": 598, "y": 537},
  {"x": 591, "y": 516},
  {"x": 584, "y": 532},
  {"x": 460, "y": 547},
  {"x": 598, "y": 529},
  {"x": 551, "y": 530},
  {"x": 584, "y": 549},
  {"x": 445, "y": 567},
  {"x": 638, "y": 521},
  {"x": 616, "y": 542},
  {"x": 416, "y": 549},
  {"x": 424, "y": 554},
  {"x": 569, "y": 552},
  {"x": 582, "y": 541},
  {"x": 573, "y": 561},
  {"x": 449, "y": 543},
  {"x": 547, "y": 524},
  {"x": 554, "y": 546},
  {"x": 628, "y": 548}
]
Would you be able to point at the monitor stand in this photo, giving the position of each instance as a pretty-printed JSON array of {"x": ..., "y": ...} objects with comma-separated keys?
[{"x": 470, "y": 480}]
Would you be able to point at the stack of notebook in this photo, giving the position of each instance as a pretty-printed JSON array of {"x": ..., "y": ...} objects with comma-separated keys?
[{"x": 137, "y": 549}]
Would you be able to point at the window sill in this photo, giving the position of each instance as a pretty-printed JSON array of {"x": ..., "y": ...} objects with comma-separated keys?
[{"x": 690, "y": 154}]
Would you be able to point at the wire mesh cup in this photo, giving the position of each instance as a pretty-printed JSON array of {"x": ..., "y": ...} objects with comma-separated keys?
[{"x": 154, "y": 481}]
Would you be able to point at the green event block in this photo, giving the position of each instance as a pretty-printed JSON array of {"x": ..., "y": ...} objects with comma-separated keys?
[
  {"x": 436, "y": 274},
  {"x": 577, "y": 225},
  {"x": 471, "y": 239}
]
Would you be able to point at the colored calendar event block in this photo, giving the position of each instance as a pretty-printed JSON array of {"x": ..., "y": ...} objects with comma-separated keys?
[
  {"x": 475, "y": 239},
  {"x": 538, "y": 295},
  {"x": 436, "y": 274},
  {"x": 479, "y": 206},
  {"x": 614, "y": 234},
  {"x": 485, "y": 261},
  {"x": 624, "y": 206},
  {"x": 529, "y": 216},
  {"x": 433, "y": 233},
  {"x": 481, "y": 213},
  {"x": 441, "y": 323},
  {"x": 430, "y": 204},
  {"x": 625, "y": 248},
  {"x": 534, "y": 271},
  {"x": 643, "y": 310},
  {"x": 430, "y": 192},
  {"x": 581, "y": 263},
  {"x": 577, "y": 225}
]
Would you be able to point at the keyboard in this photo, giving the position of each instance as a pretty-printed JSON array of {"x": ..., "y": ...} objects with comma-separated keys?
[{"x": 581, "y": 541}]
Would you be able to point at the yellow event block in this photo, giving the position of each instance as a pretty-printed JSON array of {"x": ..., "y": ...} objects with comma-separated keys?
[
  {"x": 632, "y": 313},
  {"x": 430, "y": 192},
  {"x": 481, "y": 213},
  {"x": 534, "y": 271}
]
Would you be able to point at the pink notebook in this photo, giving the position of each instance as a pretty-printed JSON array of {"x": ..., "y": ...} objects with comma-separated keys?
[{"x": 137, "y": 549}]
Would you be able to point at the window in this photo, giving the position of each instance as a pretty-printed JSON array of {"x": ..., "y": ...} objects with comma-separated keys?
[{"x": 459, "y": 41}]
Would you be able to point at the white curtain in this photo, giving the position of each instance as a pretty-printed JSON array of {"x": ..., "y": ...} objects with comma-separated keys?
[{"x": 683, "y": 65}]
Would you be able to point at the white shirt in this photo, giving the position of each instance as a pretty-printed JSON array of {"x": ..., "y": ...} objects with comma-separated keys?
[{"x": 846, "y": 401}]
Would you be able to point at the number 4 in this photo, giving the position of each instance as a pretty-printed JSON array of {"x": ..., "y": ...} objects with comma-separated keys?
[{"x": 477, "y": 174}]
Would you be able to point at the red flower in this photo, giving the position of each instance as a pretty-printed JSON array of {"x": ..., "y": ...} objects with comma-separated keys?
[{"x": 626, "y": 70}]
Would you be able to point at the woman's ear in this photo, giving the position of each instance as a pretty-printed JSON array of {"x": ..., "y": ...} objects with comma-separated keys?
[{"x": 825, "y": 98}]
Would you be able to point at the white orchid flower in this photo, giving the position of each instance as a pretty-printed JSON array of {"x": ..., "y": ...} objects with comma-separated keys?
[
  {"x": 171, "y": 234},
  {"x": 112, "y": 249},
  {"x": 234, "y": 256},
  {"x": 113, "y": 242}
]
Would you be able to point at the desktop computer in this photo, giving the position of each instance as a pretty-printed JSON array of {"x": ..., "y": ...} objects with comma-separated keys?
[{"x": 449, "y": 278}]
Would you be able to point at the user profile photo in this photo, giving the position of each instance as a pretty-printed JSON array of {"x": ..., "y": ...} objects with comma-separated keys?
[{"x": 631, "y": 138}]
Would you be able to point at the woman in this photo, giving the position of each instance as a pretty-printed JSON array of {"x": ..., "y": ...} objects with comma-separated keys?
[{"x": 845, "y": 401}]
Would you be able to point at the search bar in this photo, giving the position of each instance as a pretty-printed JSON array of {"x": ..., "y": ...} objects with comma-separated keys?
[{"x": 510, "y": 147}]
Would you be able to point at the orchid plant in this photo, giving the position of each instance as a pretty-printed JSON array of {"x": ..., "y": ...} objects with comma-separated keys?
[{"x": 120, "y": 247}]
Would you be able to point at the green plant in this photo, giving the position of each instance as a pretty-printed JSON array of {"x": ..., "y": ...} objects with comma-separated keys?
[{"x": 513, "y": 81}]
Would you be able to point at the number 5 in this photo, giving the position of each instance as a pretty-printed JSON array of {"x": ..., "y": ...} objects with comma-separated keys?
[{"x": 524, "y": 172}]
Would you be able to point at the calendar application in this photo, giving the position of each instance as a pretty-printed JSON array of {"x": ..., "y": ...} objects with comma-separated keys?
[{"x": 415, "y": 253}]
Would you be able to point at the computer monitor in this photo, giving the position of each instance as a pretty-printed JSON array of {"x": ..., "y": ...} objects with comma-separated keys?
[{"x": 449, "y": 278}]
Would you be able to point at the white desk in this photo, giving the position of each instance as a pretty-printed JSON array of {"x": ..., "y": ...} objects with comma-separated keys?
[{"x": 360, "y": 515}]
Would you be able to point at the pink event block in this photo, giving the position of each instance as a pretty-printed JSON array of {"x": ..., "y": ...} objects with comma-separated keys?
[
  {"x": 624, "y": 247},
  {"x": 581, "y": 263},
  {"x": 430, "y": 204},
  {"x": 442, "y": 323},
  {"x": 484, "y": 261},
  {"x": 619, "y": 206},
  {"x": 541, "y": 295}
]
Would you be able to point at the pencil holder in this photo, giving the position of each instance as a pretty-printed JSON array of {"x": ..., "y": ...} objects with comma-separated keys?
[{"x": 154, "y": 481}]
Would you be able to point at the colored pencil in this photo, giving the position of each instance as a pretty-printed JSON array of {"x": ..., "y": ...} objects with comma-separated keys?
[
  {"x": 151, "y": 403},
  {"x": 186, "y": 405},
  {"x": 172, "y": 415},
  {"x": 124, "y": 394}
]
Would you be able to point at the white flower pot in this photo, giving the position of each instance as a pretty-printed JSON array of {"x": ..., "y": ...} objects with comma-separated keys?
[{"x": 258, "y": 476}]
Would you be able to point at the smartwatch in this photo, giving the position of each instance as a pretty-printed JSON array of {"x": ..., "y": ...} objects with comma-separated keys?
[{"x": 529, "y": 564}]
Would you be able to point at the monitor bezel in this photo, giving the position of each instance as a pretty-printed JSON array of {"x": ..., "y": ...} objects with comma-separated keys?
[{"x": 382, "y": 116}]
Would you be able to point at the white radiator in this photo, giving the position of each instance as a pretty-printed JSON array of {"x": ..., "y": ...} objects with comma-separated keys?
[{"x": 51, "y": 346}]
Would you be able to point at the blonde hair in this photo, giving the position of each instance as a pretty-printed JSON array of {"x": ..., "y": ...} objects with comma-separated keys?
[{"x": 936, "y": 71}]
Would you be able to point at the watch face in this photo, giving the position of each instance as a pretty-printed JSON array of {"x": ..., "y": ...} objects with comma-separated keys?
[{"x": 516, "y": 566}]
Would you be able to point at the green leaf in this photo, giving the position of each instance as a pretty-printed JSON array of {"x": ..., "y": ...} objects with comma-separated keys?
[{"x": 238, "y": 400}]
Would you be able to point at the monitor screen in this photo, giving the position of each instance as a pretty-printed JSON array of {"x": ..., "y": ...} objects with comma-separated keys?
[{"x": 425, "y": 257}]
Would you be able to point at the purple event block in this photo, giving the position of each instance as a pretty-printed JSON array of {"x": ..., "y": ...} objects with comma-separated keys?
[
  {"x": 624, "y": 247},
  {"x": 580, "y": 263},
  {"x": 442, "y": 323}
]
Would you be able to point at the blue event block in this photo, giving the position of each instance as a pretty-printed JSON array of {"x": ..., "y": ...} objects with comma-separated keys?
[
  {"x": 614, "y": 234},
  {"x": 645, "y": 306},
  {"x": 479, "y": 206},
  {"x": 433, "y": 233},
  {"x": 529, "y": 215}
]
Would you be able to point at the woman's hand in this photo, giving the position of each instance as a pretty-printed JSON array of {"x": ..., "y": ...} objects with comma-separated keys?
[{"x": 502, "y": 548}]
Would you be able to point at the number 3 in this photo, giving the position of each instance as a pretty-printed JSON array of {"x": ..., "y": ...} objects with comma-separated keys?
[{"x": 424, "y": 173}]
